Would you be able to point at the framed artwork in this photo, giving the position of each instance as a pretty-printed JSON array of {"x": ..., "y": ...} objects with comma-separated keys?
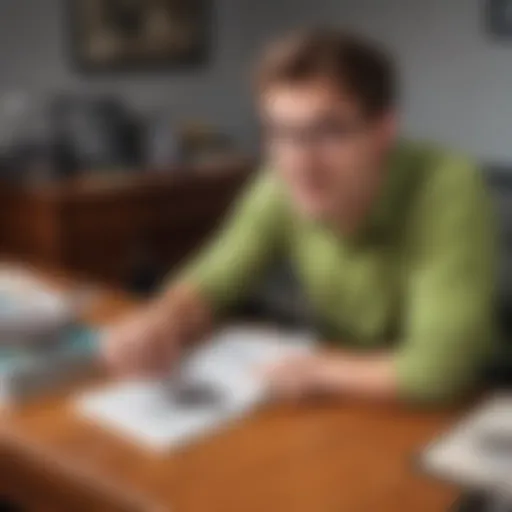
[
  {"x": 499, "y": 18},
  {"x": 135, "y": 35}
]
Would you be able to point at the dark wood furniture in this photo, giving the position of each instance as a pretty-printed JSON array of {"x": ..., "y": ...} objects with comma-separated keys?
[
  {"x": 103, "y": 227},
  {"x": 346, "y": 456}
]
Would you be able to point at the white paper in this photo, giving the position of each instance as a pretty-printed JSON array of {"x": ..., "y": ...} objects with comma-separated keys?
[
  {"x": 144, "y": 412},
  {"x": 463, "y": 456}
]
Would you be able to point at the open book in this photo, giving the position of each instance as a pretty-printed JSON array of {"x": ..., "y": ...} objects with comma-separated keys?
[{"x": 216, "y": 384}]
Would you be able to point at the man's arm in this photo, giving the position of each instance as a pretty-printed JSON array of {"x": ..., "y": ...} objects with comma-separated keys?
[
  {"x": 447, "y": 328},
  {"x": 227, "y": 268},
  {"x": 148, "y": 341}
]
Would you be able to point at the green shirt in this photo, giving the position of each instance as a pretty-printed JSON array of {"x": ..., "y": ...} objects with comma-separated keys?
[{"x": 417, "y": 279}]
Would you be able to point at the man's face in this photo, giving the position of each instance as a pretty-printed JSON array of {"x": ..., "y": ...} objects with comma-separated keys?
[{"x": 329, "y": 154}]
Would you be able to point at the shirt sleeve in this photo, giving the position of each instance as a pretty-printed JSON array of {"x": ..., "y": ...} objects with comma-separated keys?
[
  {"x": 244, "y": 247},
  {"x": 448, "y": 325}
]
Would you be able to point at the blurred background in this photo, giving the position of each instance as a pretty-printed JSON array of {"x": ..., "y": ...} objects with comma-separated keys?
[{"x": 127, "y": 126}]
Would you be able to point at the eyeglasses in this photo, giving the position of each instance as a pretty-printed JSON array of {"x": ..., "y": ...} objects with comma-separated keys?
[{"x": 326, "y": 131}]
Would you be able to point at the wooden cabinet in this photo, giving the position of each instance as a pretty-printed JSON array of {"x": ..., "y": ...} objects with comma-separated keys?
[{"x": 103, "y": 227}]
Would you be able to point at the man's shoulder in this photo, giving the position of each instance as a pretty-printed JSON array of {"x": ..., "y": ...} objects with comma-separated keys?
[
  {"x": 436, "y": 172},
  {"x": 434, "y": 162},
  {"x": 445, "y": 178},
  {"x": 264, "y": 193},
  {"x": 265, "y": 181}
]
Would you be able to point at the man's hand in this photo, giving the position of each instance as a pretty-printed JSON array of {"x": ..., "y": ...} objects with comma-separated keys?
[
  {"x": 149, "y": 341},
  {"x": 294, "y": 378},
  {"x": 333, "y": 373}
]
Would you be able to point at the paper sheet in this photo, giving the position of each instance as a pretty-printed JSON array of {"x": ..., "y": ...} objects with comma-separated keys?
[
  {"x": 146, "y": 412},
  {"x": 463, "y": 455}
]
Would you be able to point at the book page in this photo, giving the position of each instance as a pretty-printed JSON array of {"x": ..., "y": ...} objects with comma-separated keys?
[{"x": 216, "y": 384}]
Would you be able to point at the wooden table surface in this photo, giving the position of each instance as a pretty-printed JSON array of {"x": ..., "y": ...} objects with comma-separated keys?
[{"x": 342, "y": 456}]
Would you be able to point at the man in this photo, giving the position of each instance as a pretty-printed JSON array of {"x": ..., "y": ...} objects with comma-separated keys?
[{"x": 392, "y": 241}]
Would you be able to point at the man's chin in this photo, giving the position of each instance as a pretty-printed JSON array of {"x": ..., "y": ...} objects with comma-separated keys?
[{"x": 315, "y": 211}]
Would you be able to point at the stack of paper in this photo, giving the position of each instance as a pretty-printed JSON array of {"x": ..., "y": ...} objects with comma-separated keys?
[{"x": 226, "y": 366}]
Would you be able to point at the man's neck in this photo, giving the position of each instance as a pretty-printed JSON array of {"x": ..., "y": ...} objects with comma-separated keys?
[{"x": 355, "y": 213}]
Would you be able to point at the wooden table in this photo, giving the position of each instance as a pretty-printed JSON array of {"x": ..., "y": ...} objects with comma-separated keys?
[{"x": 319, "y": 458}]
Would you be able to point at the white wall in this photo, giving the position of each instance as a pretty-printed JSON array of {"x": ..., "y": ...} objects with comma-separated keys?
[{"x": 457, "y": 79}]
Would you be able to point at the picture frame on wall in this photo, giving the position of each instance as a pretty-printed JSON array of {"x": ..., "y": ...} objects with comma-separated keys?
[
  {"x": 138, "y": 35},
  {"x": 499, "y": 18}
]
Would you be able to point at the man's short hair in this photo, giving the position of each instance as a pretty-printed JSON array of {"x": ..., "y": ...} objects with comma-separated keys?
[{"x": 353, "y": 64}]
